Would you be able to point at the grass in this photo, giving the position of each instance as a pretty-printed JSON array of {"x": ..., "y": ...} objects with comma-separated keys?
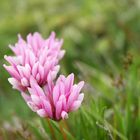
[{"x": 101, "y": 39}]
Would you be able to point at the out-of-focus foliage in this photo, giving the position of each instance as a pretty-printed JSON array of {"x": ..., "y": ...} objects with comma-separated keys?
[{"x": 102, "y": 43}]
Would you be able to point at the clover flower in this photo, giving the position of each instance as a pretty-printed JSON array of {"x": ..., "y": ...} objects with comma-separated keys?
[
  {"x": 55, "y": 100},
  {"x": 34, "y": 68},
  {"x": 36, "y": 57}
]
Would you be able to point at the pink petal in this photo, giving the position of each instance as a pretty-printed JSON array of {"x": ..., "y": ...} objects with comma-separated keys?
[
  {"x": 43, "y": 56},
  {"x": 54, "y": 72},
  {"x": 69, "y": 82},
  {"x": 51, "y": 39},
  {"x": 32, "y": 81},
  {"x": 58, "y": 109},
  {"x": 32, "y": 106},
  {"x": 80, "y": 86},
  {"x": 74, "y": 93},
  {"x": 81, "y": 97},
  {"x": 42, "y": 113},
  {"x": 29, "y": 39},
  {"x": 56, "y": 68},
  {"x": 39, "y": 39},
  {"x": 61, "y": 54},
  {"x": 63, "y": 99},
  {"x": 35, "y": 69},
  {"x": 75, "y": 105},
  {"x": 32, "y": 91},
  {"x": 13, "y": 60},
  {"x": 27, "y": 71},
  {"x": 16, "y": 84},
  {"x": 62, "y": 88},
  {"x": 26, "y": 97},
  {"x": 38, "y": 77},
  {"x": 21, "y": 70},
  {"x": 39, "y": 90},
  {"x": 25, "y": 82},
  {"x": 73, "y": 96},
  {"x": 55, "y": 94},
  {"x": 64, "y": 115},
  {"x": 53, "y": 75},
  {"x": 12, "y": 71},
  {"x": 36, "y": 99},
  {"x": 41, "y": 71},
  {"x": 48, "y": 108},
  {"x": 32, "y": 58}
]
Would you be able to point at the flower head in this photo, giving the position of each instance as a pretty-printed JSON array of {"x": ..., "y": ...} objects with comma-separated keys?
[
  {"x": 34, "y": 68},
  {"x": 55, "y": 100},
  {"x": 36, "y": 57}
]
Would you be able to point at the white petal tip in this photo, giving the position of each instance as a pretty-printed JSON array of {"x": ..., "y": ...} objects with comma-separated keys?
[{"x": 64, "y": 115}]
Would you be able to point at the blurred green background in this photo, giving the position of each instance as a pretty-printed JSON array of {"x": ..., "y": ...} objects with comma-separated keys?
[{"x": 102, "y": 43}]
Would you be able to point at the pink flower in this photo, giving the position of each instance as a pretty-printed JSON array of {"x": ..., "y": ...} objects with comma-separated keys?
[
  {"x": 36, "y": 57},
  {"x": 55, "y": 100},
  {"x": 34, "y": 69}
]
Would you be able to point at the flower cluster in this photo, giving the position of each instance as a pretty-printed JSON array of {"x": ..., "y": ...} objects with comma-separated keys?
[{"x": 33, "y": 71}]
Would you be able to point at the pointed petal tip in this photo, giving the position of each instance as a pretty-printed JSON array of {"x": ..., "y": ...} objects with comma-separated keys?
[
  {"x": 4, "y": 65},
  {"x": 76, "y": 105},
  {"x": 8, "y": 68},
  {"x": 10, "y": 80},
  {"x": 72, "y": 75},
  {"x": 64, "y": 115},
  {"x": 32, "y": 106},
  {"x": 81, "y": 97},
  {"x": 81, "y": 84},
  {"x": 25, "y": 96},
  {"x": 53, "y": 33},
  {"x": 5, "y": 56},
  {"x": 19, "y": 36},
  {"x": 41, "y": 113}
]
